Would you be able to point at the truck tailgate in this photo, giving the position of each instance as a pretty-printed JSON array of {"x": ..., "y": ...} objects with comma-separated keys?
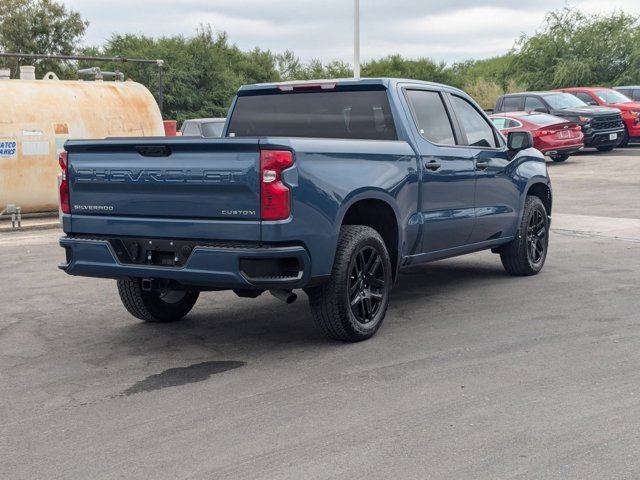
[{"x": 200, "y": 179}]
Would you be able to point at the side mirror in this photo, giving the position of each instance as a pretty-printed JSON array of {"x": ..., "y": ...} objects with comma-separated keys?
[
  {"x": 517, "y": 141},
  {"x": 541, "y": 110}
]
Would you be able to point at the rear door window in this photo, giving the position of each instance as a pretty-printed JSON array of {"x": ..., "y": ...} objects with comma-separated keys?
[
  {"x": 191, "y": 129},
  {"x": 500, "y": 123},
  {"x": 478, "y": 130},
  {"x": 511, "y": 104},
  {"x": 361, "y": 114},
  {"x": 531, "y": 103},
  {"x": 504, "y": 123},
  {"x": 585, "y": 97},
  {"x": 431, "y": 116}
]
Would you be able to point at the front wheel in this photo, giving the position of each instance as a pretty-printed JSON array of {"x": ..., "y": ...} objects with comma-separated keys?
[
  {"x": 526, "y": 254},
  {"x": 352, "y": 304},
  {"x": 159, "y": 306}
]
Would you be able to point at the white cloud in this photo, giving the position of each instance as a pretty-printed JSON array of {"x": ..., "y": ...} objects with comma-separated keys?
[{"x": 452, "y": 30}]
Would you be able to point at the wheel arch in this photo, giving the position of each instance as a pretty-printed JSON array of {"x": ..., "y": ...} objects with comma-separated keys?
[
  {"x": 379, "y": 211},
  {"x": 541, "y": 190}
]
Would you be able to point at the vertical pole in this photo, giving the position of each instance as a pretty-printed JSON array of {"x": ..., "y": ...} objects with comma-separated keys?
[
  {"x": 356, "y": 39},
  {"x": 161, "y": 87}
]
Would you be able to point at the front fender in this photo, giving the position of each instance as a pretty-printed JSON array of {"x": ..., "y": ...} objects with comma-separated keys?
[{"x": 531, "y": 169}]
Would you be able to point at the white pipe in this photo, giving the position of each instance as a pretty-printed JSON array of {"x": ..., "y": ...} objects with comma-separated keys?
[{"x": 356, "y": 39}]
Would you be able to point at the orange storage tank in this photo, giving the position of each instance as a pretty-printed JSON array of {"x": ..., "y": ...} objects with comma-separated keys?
[{"x": 38, "y": 116}]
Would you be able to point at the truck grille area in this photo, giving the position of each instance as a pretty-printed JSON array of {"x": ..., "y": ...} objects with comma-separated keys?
[{"x": 607, "y": 122}]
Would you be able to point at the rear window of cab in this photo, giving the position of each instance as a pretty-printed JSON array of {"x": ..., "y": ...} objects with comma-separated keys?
[{"x": 359, "y": 114}]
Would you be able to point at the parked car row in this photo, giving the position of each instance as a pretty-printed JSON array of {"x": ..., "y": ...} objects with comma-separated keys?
[{"x": 565, "y": 120}]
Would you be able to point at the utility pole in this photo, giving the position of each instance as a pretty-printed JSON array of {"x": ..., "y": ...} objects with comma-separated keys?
[{"x": 356, "y": 39}]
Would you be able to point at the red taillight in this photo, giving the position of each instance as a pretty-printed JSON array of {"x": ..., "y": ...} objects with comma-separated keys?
[
  {"x": 275, "y": 196},
  {"x": 64, "y": 183}
]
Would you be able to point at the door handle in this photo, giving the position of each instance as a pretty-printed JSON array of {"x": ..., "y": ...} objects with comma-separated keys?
[
  {"x": 432, "y": 165},
  {"x": 481, "y": 165}
]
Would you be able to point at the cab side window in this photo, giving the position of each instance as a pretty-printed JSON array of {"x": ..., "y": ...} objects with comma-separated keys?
[
  {"x": 479, "y": 132},
  {"x": 431, "y": 116},
  {"x": 191, "y": 129},
  {"x": 586, "y": 98},
  {"x": 511, "y": 104},
  {"x": 531, "y": 103}
]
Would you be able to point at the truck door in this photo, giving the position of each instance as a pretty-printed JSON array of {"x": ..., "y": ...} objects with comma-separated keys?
[
  {"x": 496, "y": 194},
  {"x": 447, "y": 174}
]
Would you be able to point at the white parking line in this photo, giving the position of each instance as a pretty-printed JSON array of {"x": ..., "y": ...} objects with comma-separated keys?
[{"x": 588, "y": 225}]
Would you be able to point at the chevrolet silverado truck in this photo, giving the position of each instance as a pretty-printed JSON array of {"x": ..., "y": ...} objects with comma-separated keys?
[
  {"x": 603, "y": 127},
  {"x": 326, "y": 186}
]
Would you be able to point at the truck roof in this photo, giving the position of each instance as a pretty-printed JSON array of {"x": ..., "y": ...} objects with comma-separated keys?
[{"x": 341, "y": 82}]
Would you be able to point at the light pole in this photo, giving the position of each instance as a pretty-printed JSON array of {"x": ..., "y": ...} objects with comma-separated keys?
[{"x": 356, "y": 38}]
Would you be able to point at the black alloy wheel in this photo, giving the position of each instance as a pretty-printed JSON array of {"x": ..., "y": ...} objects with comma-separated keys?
[
  {"x": 536, "y": 238},
  {"x": 367, "y": 287}
]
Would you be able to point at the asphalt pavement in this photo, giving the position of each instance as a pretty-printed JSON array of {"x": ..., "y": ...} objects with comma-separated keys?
[{"x": 474, "y": 375}]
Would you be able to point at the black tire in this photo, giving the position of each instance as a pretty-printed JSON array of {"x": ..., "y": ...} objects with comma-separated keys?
[
  {"x": 608, "y": 148},
  {"x": 560, "y": 158},
  {"x": 157, "y": 307},
  {"x": 352, "y": 304},
  {"x": 625, "y": 139},
  {"x": 526, "y": 254}
]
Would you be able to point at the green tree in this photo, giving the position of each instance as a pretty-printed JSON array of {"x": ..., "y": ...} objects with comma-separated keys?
[
  {"x": 576, "y": 49},
  {"x": 40, "y": 26},
  {"x": 420, "y": 69}
]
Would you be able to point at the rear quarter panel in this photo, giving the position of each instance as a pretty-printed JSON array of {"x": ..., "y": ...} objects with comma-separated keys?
[{"x": 331, "y": 175}]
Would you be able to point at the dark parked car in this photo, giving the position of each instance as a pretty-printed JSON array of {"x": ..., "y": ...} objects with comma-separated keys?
[
  {"x": 603, "y": 127},
  {"x": 203, "y": 127},
  {"x": 633, "y": 92},
  {"x": 329, "y": 186}
]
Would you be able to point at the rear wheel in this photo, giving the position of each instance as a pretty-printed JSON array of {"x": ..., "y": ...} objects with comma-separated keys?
[
  {"x": 352, "y": 304},
  {"x": 608, "y": 148},
  {"x": 526, "y": 254},
  {"x": 155, "y": 306},
  {"x": 559, "y": 158}
]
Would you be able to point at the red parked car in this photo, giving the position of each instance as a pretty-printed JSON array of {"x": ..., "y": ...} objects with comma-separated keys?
[
  {"x": 553, "y": 136},
  {"x": 612, "y": 98}
]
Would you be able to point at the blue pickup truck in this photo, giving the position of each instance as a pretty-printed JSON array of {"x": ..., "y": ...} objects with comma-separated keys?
[{"x": 326, "y": 186}]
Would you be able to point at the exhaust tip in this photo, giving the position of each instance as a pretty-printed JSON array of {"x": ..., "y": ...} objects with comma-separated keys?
[{"x": 287, "y": 296}]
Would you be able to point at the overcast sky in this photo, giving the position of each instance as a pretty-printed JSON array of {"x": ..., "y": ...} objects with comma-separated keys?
[{"x": 448, "y": 30}]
